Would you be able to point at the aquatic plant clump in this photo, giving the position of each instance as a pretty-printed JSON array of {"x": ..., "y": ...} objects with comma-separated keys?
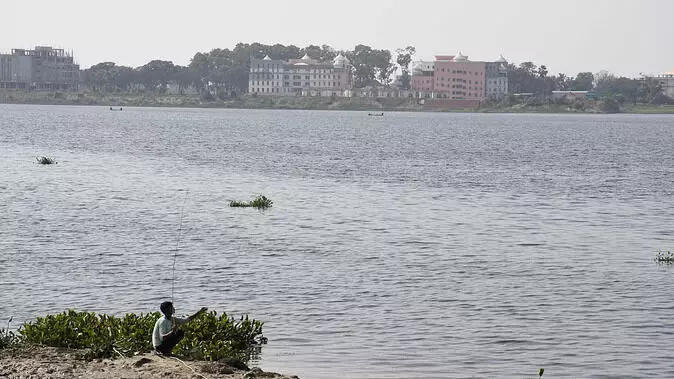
[
  {"x": 45, "y": 160},
  {"x": 208, "y": 337},
  {"x": 663, "y": 257},
  {"x": 260, "y": 202},
  {"x": 7, "y": 337}
]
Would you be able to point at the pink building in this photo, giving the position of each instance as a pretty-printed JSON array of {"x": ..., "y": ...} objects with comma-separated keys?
[
  {"x": 458, "y": 78},
  {"x": 422, "y": 78},
  {"x": 452, "y": 77}
]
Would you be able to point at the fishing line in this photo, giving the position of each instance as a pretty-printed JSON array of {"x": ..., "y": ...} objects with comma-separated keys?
[{"x": 175, "y": 252}]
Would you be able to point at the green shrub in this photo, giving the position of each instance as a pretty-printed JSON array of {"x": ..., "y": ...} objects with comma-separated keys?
[
  {"x": 7, "y": 338},
  {"x": 609, "y": 105},
  {"x": 260, "y": 202},
  {"x": 206, "y": 96},
  {"x": 207, "y": 337},
  {"x": 579, "y": 105}
]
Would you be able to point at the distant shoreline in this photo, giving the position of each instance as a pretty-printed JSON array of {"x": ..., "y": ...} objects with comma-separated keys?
[{"x": 289, "y": 103}]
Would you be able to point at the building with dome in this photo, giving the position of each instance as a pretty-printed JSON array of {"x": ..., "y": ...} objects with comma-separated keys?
[
  {"x": 300, "y": 77},
  {"x": 496, "y": 78},
  {"x": 456, "y": 77}
]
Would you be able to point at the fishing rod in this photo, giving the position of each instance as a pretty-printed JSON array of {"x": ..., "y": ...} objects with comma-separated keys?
[{"x": 175, "y": 252}]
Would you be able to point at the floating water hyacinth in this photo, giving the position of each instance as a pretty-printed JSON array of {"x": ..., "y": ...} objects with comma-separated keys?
[
  {"x": 663, "y": 257},
  {"x": 45, "y": 160},
  {"x": 260, "y": 202}
]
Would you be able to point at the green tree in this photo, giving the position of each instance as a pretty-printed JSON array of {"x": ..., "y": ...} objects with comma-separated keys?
[
  {"x": 609, "y": 105},
  {"x": 607, "y": 84},
  {"x": 156, "y": 75},
  {"x": 404, "y": 58},
  {"x": 562, "y": 82},
  {"x": 584, "y": 81},
  {"x": 650, "y": 92}
]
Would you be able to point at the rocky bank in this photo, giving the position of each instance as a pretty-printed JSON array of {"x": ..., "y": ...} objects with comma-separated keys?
[{"x": 58, "y": 363}]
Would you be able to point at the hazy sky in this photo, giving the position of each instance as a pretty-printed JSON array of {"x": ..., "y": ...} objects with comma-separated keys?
[{"x": 623, "y": 36}]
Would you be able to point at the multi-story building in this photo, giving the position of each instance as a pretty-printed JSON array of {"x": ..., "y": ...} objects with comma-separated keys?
[
  {"x": 299, "y": 77},
  {"x": 422, "y": 78},
  {"x": 455, "y": 77},
  {"x": 666, "y": 82},
  {"x": 266, "y": 76},
  {"x": 43, "y": 68},
  {"x": 458, "y": 78},
  {"x": 496, "y": 77}
]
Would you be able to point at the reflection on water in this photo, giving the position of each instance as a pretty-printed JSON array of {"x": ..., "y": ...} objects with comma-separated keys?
[{"x": 414, "y": 245}]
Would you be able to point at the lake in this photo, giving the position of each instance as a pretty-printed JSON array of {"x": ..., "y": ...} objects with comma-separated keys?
[{"x": 414, "y": 245}]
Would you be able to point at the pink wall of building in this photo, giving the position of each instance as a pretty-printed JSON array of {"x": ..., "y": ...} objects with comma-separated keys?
[
  {"x": 422, "y": 83},
  {"x": 459, "y": 80}
]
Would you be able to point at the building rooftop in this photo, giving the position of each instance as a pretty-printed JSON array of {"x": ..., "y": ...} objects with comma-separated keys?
[{"x": 460, "y": 57}]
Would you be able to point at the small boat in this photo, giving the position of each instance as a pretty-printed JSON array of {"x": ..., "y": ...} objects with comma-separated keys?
[
  {"x": 115, "y": 109},
  {"x": 376, "y": 114}
]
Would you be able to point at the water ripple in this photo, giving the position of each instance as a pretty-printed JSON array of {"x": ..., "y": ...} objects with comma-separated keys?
[{"x": 419, "y": 245}]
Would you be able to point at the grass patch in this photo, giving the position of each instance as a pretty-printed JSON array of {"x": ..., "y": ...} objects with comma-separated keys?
[
  {"x": 259, "y": 202},
  {"x": 208, "y": 337},
  {"x": 663, "y": 257},
  {"x": 45, "y": 160}
]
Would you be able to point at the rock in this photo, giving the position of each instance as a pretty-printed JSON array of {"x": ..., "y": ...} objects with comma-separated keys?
[
  {"x": 142, "y": 361},
  {"x": 258, "y": 373},
  {"x": 235, "y": 363},
  {"x": 217, "y": 368}
]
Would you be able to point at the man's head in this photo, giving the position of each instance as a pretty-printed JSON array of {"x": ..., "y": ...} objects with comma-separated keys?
[{"x": 167, "y": 308}]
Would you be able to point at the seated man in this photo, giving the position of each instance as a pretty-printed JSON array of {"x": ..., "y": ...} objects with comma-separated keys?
[{"x": 166, "y": 334}]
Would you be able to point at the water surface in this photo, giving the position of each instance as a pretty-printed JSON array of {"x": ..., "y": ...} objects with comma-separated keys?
[{"x": 415, "y": 245}]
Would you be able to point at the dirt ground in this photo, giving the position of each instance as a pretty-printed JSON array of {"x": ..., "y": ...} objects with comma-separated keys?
[{"x": 55, "y": 363}]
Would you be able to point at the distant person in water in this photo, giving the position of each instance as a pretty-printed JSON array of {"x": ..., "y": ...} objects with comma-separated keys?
[{"x": 166, "y": 334}]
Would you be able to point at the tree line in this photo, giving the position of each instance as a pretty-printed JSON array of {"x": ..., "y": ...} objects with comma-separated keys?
[
  {"x": 529, "y": 78},
  {"x": 225, "y": 71}
]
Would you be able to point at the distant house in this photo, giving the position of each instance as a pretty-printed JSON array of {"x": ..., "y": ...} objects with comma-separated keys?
[
  {"x": 572, "y": 95},
  {"x": 666, "y": 81}
]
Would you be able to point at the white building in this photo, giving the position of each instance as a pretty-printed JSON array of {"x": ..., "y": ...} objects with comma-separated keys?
[
  {"x": 496, "y": 78},
  {"x": 299, "y": 77},
  {"x": 667, "y": 83},
  {"x": 266, "y": 76}
]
